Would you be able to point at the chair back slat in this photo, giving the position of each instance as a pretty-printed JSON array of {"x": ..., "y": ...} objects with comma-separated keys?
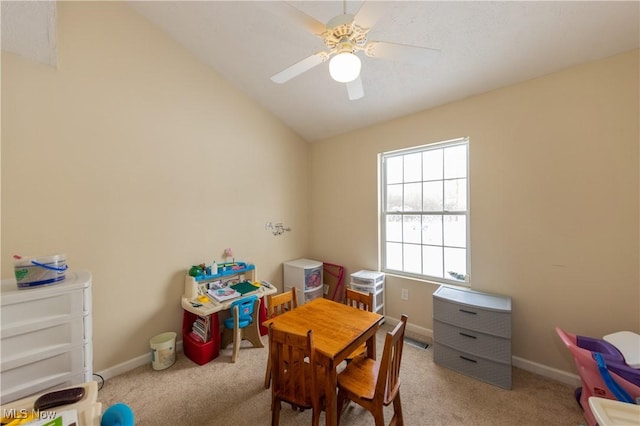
[
  {"x": 278, "y": 304},
  {"x": 389, "y": 376},
  {"x": 374, "y": 385},
  {"x": 294, "y": 368},
  {"x": 358, "y": 299}
]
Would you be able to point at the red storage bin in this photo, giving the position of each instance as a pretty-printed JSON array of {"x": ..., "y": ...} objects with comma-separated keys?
[
  {"x": 263, "y": 316},
  {"x": 200, "y": 353}
]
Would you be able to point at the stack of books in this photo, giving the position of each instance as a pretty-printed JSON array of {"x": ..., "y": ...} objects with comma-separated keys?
[
  {"x": 201, "y": 330},
  {"x": 222, "y": 294}
]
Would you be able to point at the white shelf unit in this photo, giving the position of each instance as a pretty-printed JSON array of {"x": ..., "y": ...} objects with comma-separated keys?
[
  {"x": 46, "y": 336},
  {"x": 370, "y": 282},
  {"x": 306, "y": 276}
]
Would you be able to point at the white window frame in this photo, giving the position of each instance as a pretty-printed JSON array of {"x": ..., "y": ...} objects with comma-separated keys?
[{"x": 383, "y": 157}]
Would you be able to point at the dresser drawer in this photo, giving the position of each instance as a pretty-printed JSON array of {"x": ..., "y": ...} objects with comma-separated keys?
[
  {"x": 473, "y": 342},
  {"x": 41, "y": 312},
  {"x": 38, "y": 344},
  {"x": 31, "y": 378},
  {"x": 473, "y": 317},
  {"x": 492, "y": 372}
]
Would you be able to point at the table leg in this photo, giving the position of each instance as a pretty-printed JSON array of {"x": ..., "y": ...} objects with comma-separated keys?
[
  {"x": 331, "y": 397},
  {"x": 371, "y": 346}
]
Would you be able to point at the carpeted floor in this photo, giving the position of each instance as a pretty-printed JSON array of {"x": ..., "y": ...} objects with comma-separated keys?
[{"x": 222, "y": 393}]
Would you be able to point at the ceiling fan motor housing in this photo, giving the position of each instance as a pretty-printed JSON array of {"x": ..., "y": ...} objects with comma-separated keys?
[{"x": 344, "y": 35}]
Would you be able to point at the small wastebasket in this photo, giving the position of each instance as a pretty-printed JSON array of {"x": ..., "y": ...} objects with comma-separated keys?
[{"x": 163, "y": 350}]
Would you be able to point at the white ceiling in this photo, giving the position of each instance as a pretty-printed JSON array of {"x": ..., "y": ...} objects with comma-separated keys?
[{"x": 484, "y": 45}]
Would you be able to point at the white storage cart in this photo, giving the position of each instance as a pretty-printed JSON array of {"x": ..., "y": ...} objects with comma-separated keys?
[
  {"x": 306, "y": 276},
  {"x": 370, "y": 282}
]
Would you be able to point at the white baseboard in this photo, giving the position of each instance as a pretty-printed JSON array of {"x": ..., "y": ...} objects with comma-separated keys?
[
  {"x": 136, "y": 362},
  {"x": 422, "y": 334},
  {"x": 413, "y": 331},
  {"x": 546, "y": 371}
]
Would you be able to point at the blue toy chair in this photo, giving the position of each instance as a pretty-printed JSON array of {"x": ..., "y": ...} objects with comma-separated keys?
[{"x": 244, "y": 324}]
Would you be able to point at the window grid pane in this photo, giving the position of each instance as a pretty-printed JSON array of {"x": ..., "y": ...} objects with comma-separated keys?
[
  {"x": 412, "y": 197},
  {"x": 425, "y": 212}
]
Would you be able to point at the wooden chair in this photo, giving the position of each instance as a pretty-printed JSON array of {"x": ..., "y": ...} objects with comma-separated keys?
[
  {"x": 363, "y": 301},
  {"x": 297, "y": 378},
  {"x": 358, "y": 299},
  {"x": 278, "y": 304},
  {"x": 243, "y": 324},
  {"x": 372, "y": 384}
]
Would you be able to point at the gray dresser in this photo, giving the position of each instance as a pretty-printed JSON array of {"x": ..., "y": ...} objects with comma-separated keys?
[{"x": 472, "y": 334}]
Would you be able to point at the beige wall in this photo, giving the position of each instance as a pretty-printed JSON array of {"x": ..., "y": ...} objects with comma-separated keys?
[
  {"x": 137, "y": 161},
  {"x": 553, "y": 202}
]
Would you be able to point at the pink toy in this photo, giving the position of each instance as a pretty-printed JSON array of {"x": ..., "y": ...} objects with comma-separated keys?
[{"x": 613, "y": 379}]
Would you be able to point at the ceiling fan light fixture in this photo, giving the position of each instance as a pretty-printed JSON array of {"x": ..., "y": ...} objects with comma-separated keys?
[{"x": 344, "y": 67}]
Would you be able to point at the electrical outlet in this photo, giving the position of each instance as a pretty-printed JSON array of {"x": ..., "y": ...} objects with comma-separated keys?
[{"x": 405, "y": 294}]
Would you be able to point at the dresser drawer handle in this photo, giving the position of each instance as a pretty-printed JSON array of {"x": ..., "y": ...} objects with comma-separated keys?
[
  {"x": 467, "y": 335},
  {"x": 468, "y": 312},
  {"x": 468, "y": 359}
]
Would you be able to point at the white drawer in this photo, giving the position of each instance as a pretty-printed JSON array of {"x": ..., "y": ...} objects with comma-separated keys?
[
  {"x": 31, "y": 378},
  {"x": 309, "y": 295},
  {"x": 37, "y": 344},
  {"x": 43, "y": 386},
  {"x": 41, "y": 312},
  {"x": 367, "y": 278},
  {"x": 364, "y": 288}
]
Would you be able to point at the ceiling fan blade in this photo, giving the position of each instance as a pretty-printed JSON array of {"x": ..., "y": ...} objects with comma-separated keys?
[
  {"x": 415, "y": 55},
  {"x": 299, "y": 67},
  {"x": 369, "y": 13},
  {"x": 291, "y": 13},
  {"x": 354, "y": 89}
]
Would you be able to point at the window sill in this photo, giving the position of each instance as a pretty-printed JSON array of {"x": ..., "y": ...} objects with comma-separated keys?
[{"x": 454, "y": 284}]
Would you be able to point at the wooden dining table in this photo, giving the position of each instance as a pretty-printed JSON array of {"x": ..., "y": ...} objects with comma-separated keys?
[{"x": 338, "y": 330}]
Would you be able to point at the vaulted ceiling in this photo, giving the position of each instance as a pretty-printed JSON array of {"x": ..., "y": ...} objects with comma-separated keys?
[{"x": 484, "y": 45}]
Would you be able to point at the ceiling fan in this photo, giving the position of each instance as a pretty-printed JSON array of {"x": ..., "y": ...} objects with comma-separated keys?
[{"x": 345, "y": 36}]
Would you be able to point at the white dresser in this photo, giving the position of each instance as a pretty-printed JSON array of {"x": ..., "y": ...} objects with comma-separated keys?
[
  {"x": 46, "y": 336},
  {"x": 472, "y": 334}
]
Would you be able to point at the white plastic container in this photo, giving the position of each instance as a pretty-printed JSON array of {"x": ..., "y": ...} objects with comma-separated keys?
[
  {"x": 306, "y": 276},
  {"x": 370, "y": 282},
  {"x": 33, "y": 272},
  {"x": 163, "y": 350}
]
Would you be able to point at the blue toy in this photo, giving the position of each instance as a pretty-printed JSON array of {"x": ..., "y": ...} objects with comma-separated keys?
[{"x": 119, "y": 414}]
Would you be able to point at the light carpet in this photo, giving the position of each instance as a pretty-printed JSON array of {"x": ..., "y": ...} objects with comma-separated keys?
[{"x": 223, "y": 393}]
